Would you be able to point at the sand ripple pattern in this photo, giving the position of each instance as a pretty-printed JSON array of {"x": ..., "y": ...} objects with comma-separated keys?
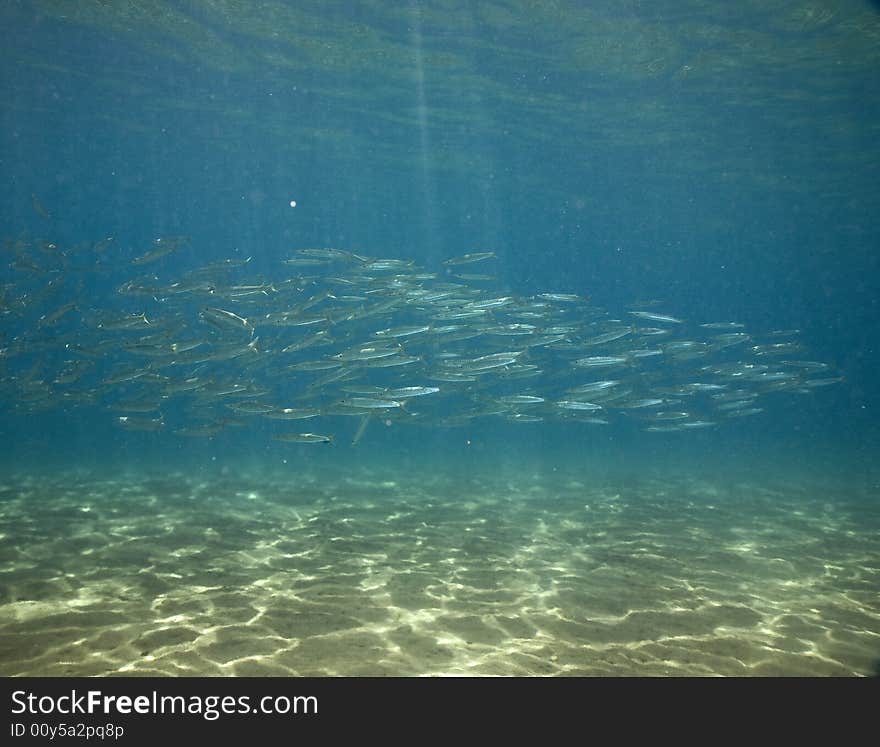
[{"x": 434, "y": 575}]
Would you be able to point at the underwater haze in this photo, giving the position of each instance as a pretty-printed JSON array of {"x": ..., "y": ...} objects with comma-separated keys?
[{"x": 499, "y": 338}]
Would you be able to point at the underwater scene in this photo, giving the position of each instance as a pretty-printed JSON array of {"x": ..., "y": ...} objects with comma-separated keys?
[{"x": 453, "y": 338}]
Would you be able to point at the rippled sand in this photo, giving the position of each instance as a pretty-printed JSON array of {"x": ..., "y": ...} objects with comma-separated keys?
[{"x": 432, "y": 575}]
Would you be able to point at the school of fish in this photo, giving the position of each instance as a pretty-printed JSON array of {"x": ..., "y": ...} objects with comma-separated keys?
[{"x": 333, "y": 334}]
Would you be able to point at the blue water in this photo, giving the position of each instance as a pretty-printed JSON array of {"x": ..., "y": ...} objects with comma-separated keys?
[{"x": 719, "y": 161}]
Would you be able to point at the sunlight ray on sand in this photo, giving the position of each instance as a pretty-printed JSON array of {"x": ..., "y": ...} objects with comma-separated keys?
[{"x": 371, "y": 576}]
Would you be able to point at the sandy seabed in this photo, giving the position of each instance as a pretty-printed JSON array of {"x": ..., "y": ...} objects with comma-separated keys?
[{"x": 435, "y": 575}]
